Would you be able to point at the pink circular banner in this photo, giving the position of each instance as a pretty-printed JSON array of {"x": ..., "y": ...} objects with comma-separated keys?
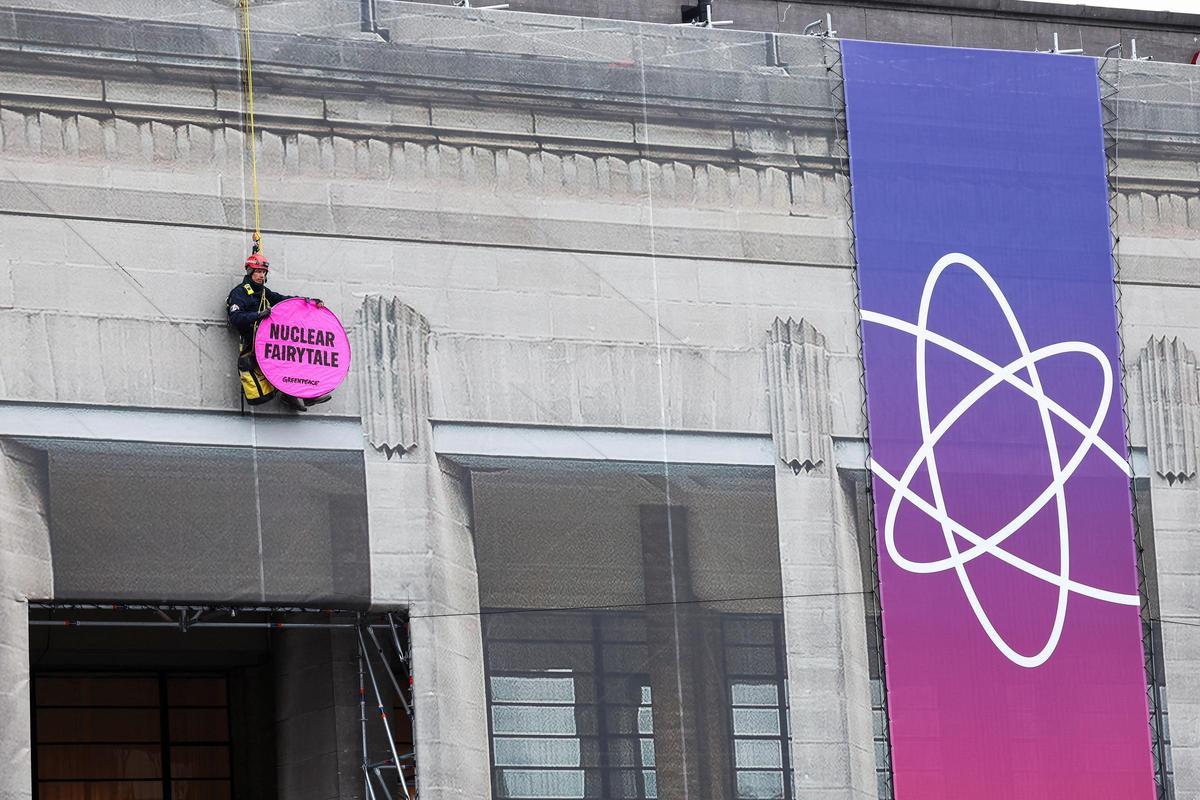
[{"x": 302, "y": 349}]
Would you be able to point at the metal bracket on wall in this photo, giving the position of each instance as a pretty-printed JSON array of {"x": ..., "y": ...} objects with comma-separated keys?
[
  {"x": 700, "y": 15},
  {"x": 823, "y": 28},
  {"x": 370, "y": 20},
  {"x": 1116, "y": 49},
  {"x": 467, "y": 4},
  {"x": 1054, "y": 48}
]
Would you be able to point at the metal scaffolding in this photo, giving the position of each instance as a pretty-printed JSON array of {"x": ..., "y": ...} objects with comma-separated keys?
[{"x": 397, "y": 761}]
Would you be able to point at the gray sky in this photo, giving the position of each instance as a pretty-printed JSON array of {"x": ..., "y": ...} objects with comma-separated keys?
[{"x": 1192, "y": 6}]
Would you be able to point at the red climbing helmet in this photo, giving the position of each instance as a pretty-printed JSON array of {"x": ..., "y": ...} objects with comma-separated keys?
[{"x": 257, "y": 261}]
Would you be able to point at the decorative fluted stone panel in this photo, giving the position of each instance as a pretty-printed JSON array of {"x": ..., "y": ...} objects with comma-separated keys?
[
  {"x": 393, "y": 374},
  {"x": 1170, "y": 384},
  {"x": 798, "y": 380}
]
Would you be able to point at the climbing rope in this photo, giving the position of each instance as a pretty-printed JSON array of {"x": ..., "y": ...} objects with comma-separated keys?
[{"x": 248, "y": 79}]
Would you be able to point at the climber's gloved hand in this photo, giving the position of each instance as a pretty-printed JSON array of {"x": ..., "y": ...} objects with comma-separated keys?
[
  {"x": 264, "y": 314},
  {"x": 318, "y": 302}
]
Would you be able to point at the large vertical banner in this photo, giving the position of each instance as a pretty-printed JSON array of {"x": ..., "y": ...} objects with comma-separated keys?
[{"x": 1006, "y": 549}]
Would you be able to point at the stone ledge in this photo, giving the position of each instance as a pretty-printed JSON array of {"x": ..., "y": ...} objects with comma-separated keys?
[
  {"x": 419, "y": 225},
  {"x": 50, "y": 86}
]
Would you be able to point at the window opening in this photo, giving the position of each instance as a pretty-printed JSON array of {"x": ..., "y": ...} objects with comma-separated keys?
[
  {"x": 146, "y": 735},
  {"x": 142, "y": 734},
  {"x": 759, "y": 707},
  {"x": 571, "y": 705}
]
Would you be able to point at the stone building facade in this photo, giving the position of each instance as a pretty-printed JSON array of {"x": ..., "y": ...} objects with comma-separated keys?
[{"x": 599, "y": 277}]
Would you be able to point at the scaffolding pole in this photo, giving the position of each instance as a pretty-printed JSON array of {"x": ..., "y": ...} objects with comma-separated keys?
[
  {"x": 201, "y": 616},
  {"x": 391, "y": 675},
  {"x": 368, "y": 789},
  {"x": 396, "y": 638},
  {"x": 235, "y": 609},
  {"x": 412, "y": 693},
  {"x": 387, "y": 727},
  {"x": 117, "y": 623},
  {"x": 383, "y": 784}
]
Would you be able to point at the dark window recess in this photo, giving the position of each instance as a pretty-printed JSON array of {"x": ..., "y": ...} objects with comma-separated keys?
[{"x": 131, "y": 736}]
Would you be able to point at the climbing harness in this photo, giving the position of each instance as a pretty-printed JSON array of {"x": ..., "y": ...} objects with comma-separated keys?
[{"x": 256, "y": 389}]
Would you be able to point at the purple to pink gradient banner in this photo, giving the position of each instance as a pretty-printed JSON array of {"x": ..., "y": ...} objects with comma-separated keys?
[{"x": 1008, "y": 578}]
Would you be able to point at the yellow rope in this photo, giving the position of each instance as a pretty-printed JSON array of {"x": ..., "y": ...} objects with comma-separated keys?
[{"x": 250, "y": 113}]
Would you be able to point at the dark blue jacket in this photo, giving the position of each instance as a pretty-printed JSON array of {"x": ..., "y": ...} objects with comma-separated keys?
[{"x": 244, "y": 304}]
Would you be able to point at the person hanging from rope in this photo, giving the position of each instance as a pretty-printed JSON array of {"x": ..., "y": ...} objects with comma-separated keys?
[{"x": 248, "y": 304}]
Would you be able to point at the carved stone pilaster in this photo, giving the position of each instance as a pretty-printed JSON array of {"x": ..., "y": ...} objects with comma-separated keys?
[
  {"x": 798, "y": 381},
  {"x": 1170, "y": 385},
  {"x": 393, "y": 358}
]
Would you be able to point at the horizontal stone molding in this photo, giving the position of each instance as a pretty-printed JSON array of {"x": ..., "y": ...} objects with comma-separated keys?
[
  {"x": 296, "y": 119},
  {"x": 1172, "y": 210},
  {"x": 117, "y": 361},
  {"x": 773, "y": 170},
  {"x": 796, "y": 240}
]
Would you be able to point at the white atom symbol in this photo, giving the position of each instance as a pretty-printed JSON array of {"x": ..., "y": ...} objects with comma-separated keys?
[{"x": 953, "y": 530}]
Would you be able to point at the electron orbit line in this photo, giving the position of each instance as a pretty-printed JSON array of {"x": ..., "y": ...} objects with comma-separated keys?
[{"x": 953, "y": 530}]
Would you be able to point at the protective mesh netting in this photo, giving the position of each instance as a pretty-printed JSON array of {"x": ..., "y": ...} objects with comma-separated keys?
[{"x": 607, "y": 226}]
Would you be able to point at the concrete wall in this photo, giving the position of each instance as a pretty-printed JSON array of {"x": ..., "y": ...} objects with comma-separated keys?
[
  {"x": 131, "y": 522},
  {"x": 25, "y": 574},
  {"x": 523, "y": 236},
  {"x": 317, "y": 719},
  {"x": 1176, "y": 517},
  {"x": 1005, "y": 24},
  {"x": 827, "y": 657},
  {"x": 561, "y": 538},
  {"x": 423, "y": 561}
]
